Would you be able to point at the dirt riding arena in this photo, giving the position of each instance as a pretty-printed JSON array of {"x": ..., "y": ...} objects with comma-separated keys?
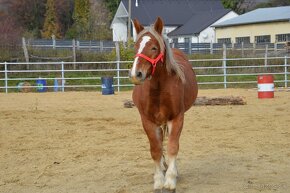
[{"x": 83, "y": 142}]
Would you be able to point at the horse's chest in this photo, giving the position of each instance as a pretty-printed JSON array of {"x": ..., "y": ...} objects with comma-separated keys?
[
  {"x": 161, "y": 109},
  {"x": 156, "y": 104}
]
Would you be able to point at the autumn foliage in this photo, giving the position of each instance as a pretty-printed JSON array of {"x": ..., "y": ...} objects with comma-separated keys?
[
  {"x": 80, "y": 19},
  {"x": 51, "y": 25}
]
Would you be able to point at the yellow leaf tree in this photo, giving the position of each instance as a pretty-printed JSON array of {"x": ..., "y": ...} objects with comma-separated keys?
[{"x": 51, "y": 23}]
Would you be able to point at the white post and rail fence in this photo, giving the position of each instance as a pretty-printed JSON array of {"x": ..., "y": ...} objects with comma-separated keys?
[{"x": 211, "y": 73}]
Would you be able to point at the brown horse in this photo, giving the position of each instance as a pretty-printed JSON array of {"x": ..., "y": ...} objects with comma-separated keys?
[{"x": 165, "y": 87}]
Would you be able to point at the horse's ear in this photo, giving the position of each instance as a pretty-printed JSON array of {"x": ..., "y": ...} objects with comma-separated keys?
[
  {"x": 158, "y": 25},
  {"x": 138, "y": 26}
]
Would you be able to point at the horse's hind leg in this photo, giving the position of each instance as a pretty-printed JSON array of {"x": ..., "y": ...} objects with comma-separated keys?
[{"x": 174, "y": 129}]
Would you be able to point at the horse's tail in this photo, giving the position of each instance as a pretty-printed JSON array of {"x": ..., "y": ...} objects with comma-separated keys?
[{"x": 164, "y": 130}]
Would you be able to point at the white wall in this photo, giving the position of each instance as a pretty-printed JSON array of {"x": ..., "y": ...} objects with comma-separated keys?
[
  {"x": 119, "y": 28},
  {"x": 119, "y": 24}
]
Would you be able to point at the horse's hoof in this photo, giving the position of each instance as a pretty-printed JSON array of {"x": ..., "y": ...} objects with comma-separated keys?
[
  {"x": 158, "y": 191},
  {"x": 169, "y": 191}
]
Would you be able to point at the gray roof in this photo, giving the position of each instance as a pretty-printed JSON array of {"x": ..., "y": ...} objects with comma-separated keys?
[
  {"x": 262, "y": 15},
  {"x": 198, "y": 22},
  {"x": 191, "y": 16}
]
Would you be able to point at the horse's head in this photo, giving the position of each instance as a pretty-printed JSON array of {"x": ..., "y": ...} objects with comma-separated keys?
[{"x": 149, "y": 48}]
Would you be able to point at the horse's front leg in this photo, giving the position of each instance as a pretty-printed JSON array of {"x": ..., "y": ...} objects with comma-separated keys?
[
  {"x": 174, "y": 130},
  {"x": 155, "y": 136}
]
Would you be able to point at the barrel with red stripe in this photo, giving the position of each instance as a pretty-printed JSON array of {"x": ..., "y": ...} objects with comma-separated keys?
[{"x": 265, "y": 86}]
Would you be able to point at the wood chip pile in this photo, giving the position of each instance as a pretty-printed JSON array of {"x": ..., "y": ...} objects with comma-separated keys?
[
  {"x": 229, "y": 100},
  {"x": 206, "y": 101}
]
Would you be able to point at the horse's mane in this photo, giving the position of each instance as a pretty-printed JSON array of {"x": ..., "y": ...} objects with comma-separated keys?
[{"x": 171, "y": 63}]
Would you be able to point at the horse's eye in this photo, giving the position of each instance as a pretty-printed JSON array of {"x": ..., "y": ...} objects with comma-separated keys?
[{"x": 154, "y": 49}]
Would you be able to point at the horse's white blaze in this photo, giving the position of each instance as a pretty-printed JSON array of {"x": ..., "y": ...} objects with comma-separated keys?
[
  {"x": 143, "y": 43},
  {"x": 171, "y": 174}
]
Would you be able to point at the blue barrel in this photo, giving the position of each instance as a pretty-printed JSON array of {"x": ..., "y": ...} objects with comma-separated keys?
[
  {"x": 41, "y": 85},
  {"x": 107, "y": 85}
]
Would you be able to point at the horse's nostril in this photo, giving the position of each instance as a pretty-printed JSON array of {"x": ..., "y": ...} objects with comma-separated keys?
[{"x": 139, "y": 74}]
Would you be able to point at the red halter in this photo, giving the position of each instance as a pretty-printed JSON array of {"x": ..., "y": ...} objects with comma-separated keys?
[{"x": 152, "y": 61}]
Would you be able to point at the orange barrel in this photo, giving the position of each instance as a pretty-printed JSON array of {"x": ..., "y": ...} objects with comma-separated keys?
[{"x": 265, "y": 86}]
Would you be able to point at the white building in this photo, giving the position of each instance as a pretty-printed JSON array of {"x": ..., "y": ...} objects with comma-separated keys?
[{"x": 184, "y": 20}]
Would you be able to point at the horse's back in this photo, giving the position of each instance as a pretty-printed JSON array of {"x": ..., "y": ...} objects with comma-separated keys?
[{"x": 190, "y": 86}]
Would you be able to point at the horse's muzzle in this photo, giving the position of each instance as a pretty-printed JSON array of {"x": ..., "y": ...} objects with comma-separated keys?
[{"x": 138, "y": 77}]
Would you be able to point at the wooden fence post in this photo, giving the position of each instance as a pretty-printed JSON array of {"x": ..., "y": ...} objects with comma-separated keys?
[
  {"x": 25, "y": 52},
  {"x": 102, "y": 45},
  {"x": 53, "y": 42},
  {"x": 78, "y": 45},
  {"x": 275, "y": 49},
  {"x": 243, "y": 52},
  {"x": 211, "y": 48}
]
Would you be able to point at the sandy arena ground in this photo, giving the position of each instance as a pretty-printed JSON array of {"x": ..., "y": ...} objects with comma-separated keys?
[{"x": 83, "y": 142}]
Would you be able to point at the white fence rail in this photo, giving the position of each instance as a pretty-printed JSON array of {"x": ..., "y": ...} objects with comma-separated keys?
[
  {"x": 93, "y": 45},
  {"x": 243, "y": 48},
  {"x": 210, "y": 72}
]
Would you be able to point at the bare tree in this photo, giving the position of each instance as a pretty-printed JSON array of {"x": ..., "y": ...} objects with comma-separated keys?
[
  {"x": 28, "y": 14},
  {"x": 10, "y": 32},
  {"x": 99, "y": 20}
]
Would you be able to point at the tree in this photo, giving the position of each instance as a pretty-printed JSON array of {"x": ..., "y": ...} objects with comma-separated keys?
[
  {"x": 9, "y": 31},
  {"x": 64, "y": 9},
  {"x": 236, "y": 5},
  {"x": 51, "y": 23},
  {"x": 112, "y": 6},
  {"x": 28, "y": 14},
  {"x": 99, "y": 21},
  {"x": 80, "y": 18},
  {"x": 274, "y": 3}
]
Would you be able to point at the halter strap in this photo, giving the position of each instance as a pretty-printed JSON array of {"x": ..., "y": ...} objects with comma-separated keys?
[{"x": 154, "y": 62}]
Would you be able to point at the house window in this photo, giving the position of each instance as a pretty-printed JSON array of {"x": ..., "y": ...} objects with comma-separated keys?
[
  {"x": 224, "y": 40},
  {"x": 282, "y": 37},
  {"x": 246, "y": 40},
  {"x": 263, "y": 39}
]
